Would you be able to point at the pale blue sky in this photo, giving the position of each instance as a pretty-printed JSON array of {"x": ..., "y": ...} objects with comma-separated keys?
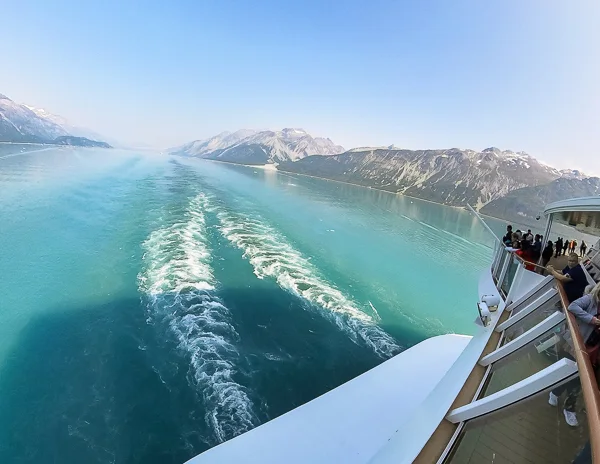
[{"x": 521, "y": 75}]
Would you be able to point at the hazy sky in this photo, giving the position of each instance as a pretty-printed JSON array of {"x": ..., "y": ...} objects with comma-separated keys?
[{"x": 520, "y": 75}]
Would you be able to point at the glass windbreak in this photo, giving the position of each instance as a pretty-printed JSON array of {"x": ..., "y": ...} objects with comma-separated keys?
[
  {"x": 527, "y": 360},
  {"x": 530, "y": 431},
  {"x": 513, "y": 265},
  {"x": 500, "y": 262},
  {"x": 532, "y": 319}
]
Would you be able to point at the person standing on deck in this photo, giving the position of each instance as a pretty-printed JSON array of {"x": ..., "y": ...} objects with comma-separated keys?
[
  {"x": 507, "y": 239},
  {"x": 529, "y": 236},
  {"x": 547, "y": 254},
  {"x": 559, "y": 245},
  {"x": 566, "y": 247},
  {"x": 573, "y": 245},
  {"x": 582, "y": 249},
  {"x": 572, "y": 277}
]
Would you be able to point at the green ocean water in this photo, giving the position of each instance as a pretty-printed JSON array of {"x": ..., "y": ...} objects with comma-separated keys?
[{"x": 153, "y": 306}]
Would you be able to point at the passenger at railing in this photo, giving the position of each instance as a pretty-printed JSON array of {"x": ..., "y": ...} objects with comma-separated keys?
[
  {"x": 536, "y": 248},
  {"x": 582, "y": 249},
  {"x": 559, "y": 246},
  {"x": 508, "y": 238},
  {"x": 587, "y": 311},
  {"x": 529, "y": 236},
  {"x": 526, "y": 253},
  {"x": 547, "y": 253},
  {"x": 515, "y": 242},
  {"x": 565, "y": 247},
  {"x": 572, "y": 277}
]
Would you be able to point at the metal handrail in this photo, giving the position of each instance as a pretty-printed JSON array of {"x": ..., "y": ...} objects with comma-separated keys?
[
  {"x": 525, "y": 262},
  {"x": 589, "y": 385}
]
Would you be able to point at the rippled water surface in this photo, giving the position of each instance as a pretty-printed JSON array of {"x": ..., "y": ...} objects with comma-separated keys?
[{"x": 152, "y": 307}]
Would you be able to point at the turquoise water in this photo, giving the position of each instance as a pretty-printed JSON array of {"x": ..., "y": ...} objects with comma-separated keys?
[{"x": 152, "y": 307}]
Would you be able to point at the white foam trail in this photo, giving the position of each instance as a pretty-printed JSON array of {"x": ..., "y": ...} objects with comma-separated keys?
[
  {"x": 427, "y": 225},
  {"x": 272, "y": 256},
  {"x": 406, "y": 217},
  {"x": 375, "y": 311},
  {"x": 458, "y": 237},
  {"x": 178, "y": 282}
]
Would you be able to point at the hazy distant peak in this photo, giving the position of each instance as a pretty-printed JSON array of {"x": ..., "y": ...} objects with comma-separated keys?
[
  {"x": 288, "y": 144},
  {"x": 4, "y": 97}
]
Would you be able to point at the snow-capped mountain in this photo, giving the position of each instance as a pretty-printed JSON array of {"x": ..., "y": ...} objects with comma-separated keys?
[
  {"x": 453, "y": 177},
  {"x": 70, "y": 128},
  {"x": 19, "y": 123},
  {"x": 218, "y": 142},
  {"x": 250, "y": 147},
  {"x": 22, "y": 123}
]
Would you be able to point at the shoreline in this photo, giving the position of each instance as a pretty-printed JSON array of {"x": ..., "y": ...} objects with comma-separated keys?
[{"x": 290, "y": 174}]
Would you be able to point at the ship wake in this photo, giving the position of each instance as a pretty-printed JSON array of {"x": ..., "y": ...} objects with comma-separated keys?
[{"x": 179, "y": 290}]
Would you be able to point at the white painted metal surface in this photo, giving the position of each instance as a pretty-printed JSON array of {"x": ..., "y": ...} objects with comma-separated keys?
[
  {"x": 522, "y": 340},
  {"x": 352, "y": 422},
  {"x": 574, "y": 204},
  {"x": 548, "y": 298},
  {"x": 537, "y": 382},
  {"x": 408, "y": 440},
  {"x": 523, "y": 282},
  {"x": 545, "y": 284}
]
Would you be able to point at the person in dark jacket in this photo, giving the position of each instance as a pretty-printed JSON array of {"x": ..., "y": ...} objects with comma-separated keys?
[
  {"x": 572, "y": 277},
  {"x": 507, "y": 239},
  {"x": 582, "y": 249},
  {"x": 566, "y": 246},
  {"x": 559, "y": 245},
  {"x": 547, "y": 253}
]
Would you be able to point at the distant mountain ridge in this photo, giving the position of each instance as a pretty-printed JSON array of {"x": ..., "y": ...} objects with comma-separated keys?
[
  {"x": 21, "y": 123},
  {"x": 453, "y": 177},
  {"x": 260, "y": 147}
]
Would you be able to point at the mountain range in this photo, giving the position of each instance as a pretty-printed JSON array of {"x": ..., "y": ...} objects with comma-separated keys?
[
  {"x": 26, "y": 124},
  {"x": 260, "y": 147},
  {"x": 501, "y": 183}
]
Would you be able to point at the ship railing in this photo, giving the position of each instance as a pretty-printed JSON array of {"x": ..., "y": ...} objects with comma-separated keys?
[
  {"x": 587, "y": 376},
  {"x": 527, "y": 363}
]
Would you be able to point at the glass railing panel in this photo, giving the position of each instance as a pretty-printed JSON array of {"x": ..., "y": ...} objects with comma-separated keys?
[
  {"x": 531, "y": 320},
  {"x": 524, "y": 362},
  {"x": 513, "y": 265},
  {"x": 530, "y": 431},
  {"x": 500, "y": 264}
]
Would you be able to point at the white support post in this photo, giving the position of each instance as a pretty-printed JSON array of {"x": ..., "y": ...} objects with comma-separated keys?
[
  {"x": 551, "y": 321},
  {"x": 533, "y": 384}
]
